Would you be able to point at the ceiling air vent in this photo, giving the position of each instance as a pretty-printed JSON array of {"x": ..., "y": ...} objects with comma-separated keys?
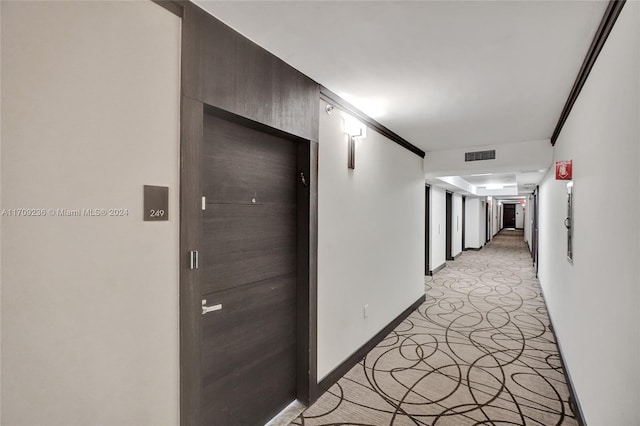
[{"x": 480, "y": 155}]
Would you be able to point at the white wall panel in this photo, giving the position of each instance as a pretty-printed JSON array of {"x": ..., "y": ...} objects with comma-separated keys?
[
  {"x": 438, "y": 225},
  {"x": 371, "y": 230},
  {"x": 456, "y": 225},
  {"x": 595, "y": 302}
]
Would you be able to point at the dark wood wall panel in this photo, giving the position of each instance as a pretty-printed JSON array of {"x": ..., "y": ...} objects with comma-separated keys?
[
  {"x": 228, "y": 71},
  {"x": 296, "y": 96},
  {"x": 190, "y": 73},
  {"x": 227, "y": 75}
]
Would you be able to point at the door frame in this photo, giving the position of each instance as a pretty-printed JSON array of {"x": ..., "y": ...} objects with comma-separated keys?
[
  {"x": 427, "y": 233},
  {"x": 536, "y": 217},
  {"x": 464, "y": 215},
  {"x": 487, "y": 222},
  {"x": 504, "y": 208},
  {"x": 449, "y": 226},
  {"x": 191, "y": 141}
]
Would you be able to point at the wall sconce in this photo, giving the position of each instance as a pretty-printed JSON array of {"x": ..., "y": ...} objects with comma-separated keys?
[{"x": 354, "y": 130}]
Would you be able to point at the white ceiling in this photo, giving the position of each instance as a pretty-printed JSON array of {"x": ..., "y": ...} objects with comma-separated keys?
[
  {"x": 441, "y": 74},
  {"x": 488, "y": 179},
  {"x": 522, "y": 182},
  {"x": 526, "y": 181},
  {"x": 445, "y": 75}
]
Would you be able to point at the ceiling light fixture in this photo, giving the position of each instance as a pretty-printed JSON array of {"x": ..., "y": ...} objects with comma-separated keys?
[
  {"x": 495, "y": 186},
  {"x": 482, "y": 174}
]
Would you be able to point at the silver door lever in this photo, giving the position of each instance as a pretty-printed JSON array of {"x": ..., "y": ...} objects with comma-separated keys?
[
  {"x": 193, "y": 259},
  {"x": 206, "y": 309}
]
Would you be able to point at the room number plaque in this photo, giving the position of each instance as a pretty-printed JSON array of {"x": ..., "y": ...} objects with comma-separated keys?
[{"x": 156, "y": 203}]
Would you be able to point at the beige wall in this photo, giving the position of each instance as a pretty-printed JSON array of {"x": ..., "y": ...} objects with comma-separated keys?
[{"x": 90, "y": 114}]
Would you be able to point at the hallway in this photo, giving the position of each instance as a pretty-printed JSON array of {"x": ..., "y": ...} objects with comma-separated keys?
[
  {"x": 194, "y": 203},
  {"x": 478, "y": 351}
]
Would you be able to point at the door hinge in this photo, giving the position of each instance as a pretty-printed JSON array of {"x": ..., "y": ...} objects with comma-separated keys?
[
  {"x": 204, "y": 202},
  {"x": 193, "y": 259}
]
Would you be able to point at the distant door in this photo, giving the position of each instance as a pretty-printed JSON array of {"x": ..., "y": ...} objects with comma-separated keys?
[
  {"x": 464, "y": 210},
  {"x": 427, "y": 236},
  {"x": 509, "y": 215},
  {"x": 449, "y": 226},
  {"x": 536, "y": 218},
  {"x": 248, "y": 274},
  {"x": 487, "y": 221}
]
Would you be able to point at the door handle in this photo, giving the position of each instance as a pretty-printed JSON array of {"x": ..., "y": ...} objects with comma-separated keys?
[
  {"x": 194, "y": 259},
  {"x": 206, "y": 309}
]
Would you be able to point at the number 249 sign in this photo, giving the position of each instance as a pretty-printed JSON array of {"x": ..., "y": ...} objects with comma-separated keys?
[{"x": 564, "y": 170}]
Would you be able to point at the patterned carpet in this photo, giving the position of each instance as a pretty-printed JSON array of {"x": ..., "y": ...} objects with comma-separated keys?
[{"x": 479, "y": 351}]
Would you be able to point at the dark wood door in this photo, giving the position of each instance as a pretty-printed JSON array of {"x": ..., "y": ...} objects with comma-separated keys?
[
  {"x": 449, "y": 226},
  {"x": 427, "y": 235},
  {"x": 464, "y": 222},
  {"x": 487, "y": 222},
  {"x": 535, "y": 228},
  {"x": 248, "y": 265},
  {"x": 509, "y": 215}
]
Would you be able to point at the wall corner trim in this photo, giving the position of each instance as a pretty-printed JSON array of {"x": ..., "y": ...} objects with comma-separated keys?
[
  {"x": 606, "y": 25},
  {"x": 335, "y": 100},
  {"x": 359, "y": 354},
  {"x": 438, "y": 269},
  {"x": 174, "y": 7}
]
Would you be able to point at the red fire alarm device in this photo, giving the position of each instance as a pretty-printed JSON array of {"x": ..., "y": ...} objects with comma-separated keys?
[{"x": 564, "y": 170}]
